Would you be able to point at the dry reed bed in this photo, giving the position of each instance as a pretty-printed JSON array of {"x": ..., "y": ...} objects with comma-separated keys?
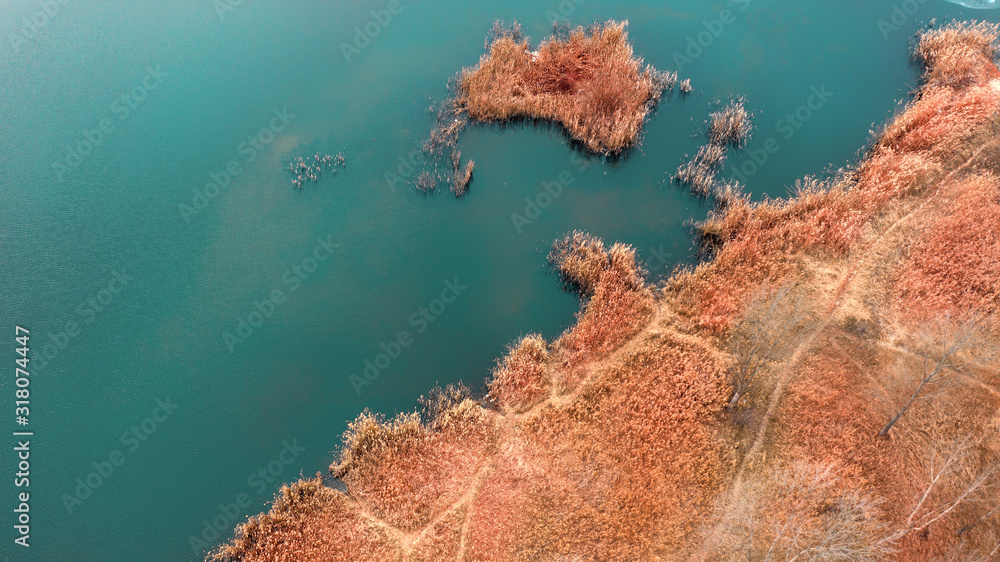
[
  {"x": 845, "y": 390},
  {"x": 955, "y": 265},
  {"x": 309, "y": 521},
  {"x": 378, "y": 470},
  {"x": 590, "y": 83},
  {"x": 618, "y": 302},
  {"x": 610, "y": 443},
  {"x": 519, "y": 381}
]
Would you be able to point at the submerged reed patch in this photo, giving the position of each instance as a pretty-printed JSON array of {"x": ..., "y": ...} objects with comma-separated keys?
[
  {"x": 463, "y": 176},
  {"x": 312, "y": 168},
  {"x": 426, "y": 182},
  {"x": 729, "y": 126},
  {"x": 699, "y": 172}
]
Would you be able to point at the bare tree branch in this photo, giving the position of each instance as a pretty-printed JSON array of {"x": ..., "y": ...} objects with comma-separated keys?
[
  {"x": 945, "y": 347},
  {"x": 968, "y": 527},
  {"x": 945, "y": 469}
]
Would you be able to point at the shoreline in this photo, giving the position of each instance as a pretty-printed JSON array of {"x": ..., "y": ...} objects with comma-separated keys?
[{"x": 632, "y": 436}]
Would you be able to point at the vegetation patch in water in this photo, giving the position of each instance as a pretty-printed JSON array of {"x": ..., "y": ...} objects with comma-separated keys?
[{"x": 589, "y": 81}]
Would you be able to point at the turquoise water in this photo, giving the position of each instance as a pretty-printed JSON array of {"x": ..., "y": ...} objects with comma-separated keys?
[{"x": 101, "y": 241}]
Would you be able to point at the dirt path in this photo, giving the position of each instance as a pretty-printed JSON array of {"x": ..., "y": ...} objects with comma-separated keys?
[
  {"x": 407, "y": 539},
  {"x": 875, "y": 251},
  {"x": 871, "y": 254}
]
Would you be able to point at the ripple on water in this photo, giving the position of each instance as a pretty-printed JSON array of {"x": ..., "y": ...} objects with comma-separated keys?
[{"x": 977, "y": 4}]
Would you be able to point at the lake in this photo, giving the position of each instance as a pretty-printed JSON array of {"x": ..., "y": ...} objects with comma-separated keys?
[{"x": 195, "y": 320}]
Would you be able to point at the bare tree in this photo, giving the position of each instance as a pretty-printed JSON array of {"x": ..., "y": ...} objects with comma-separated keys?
[
  {"x": 940, "y": 468},
  {"x": 947, "y": 346},
  {"x": 765, "y": 333},
  {"x": 955, "y": 478},
  {"x": 803, "y": 512}
]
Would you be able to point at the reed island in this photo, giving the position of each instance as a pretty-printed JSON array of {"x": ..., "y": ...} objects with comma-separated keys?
[
  {"x": 824, "y": 386},
  {"x": 585, "y": 80},
  {"x": 589, "y": 82}
]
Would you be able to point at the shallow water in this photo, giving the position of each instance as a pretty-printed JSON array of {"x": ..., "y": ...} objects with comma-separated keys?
[{"x": 817, "y": 75}]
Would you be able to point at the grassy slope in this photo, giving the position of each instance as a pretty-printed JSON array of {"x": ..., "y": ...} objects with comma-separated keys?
[{"x": 614, "y": 441}]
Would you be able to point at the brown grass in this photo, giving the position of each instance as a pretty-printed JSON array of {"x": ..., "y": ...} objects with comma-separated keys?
[
  {"x": 618, "y": 302},
  {"x": 619, "y": 306},
  {"x": 590, "y": 83},
  {"x": 959, "y": 54},
  {"x": 519, "y": 381},
  {"x": 308, "y": 522},
  {"x": 379, "y": 456},
  {"x": 955, "y": 266}
]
